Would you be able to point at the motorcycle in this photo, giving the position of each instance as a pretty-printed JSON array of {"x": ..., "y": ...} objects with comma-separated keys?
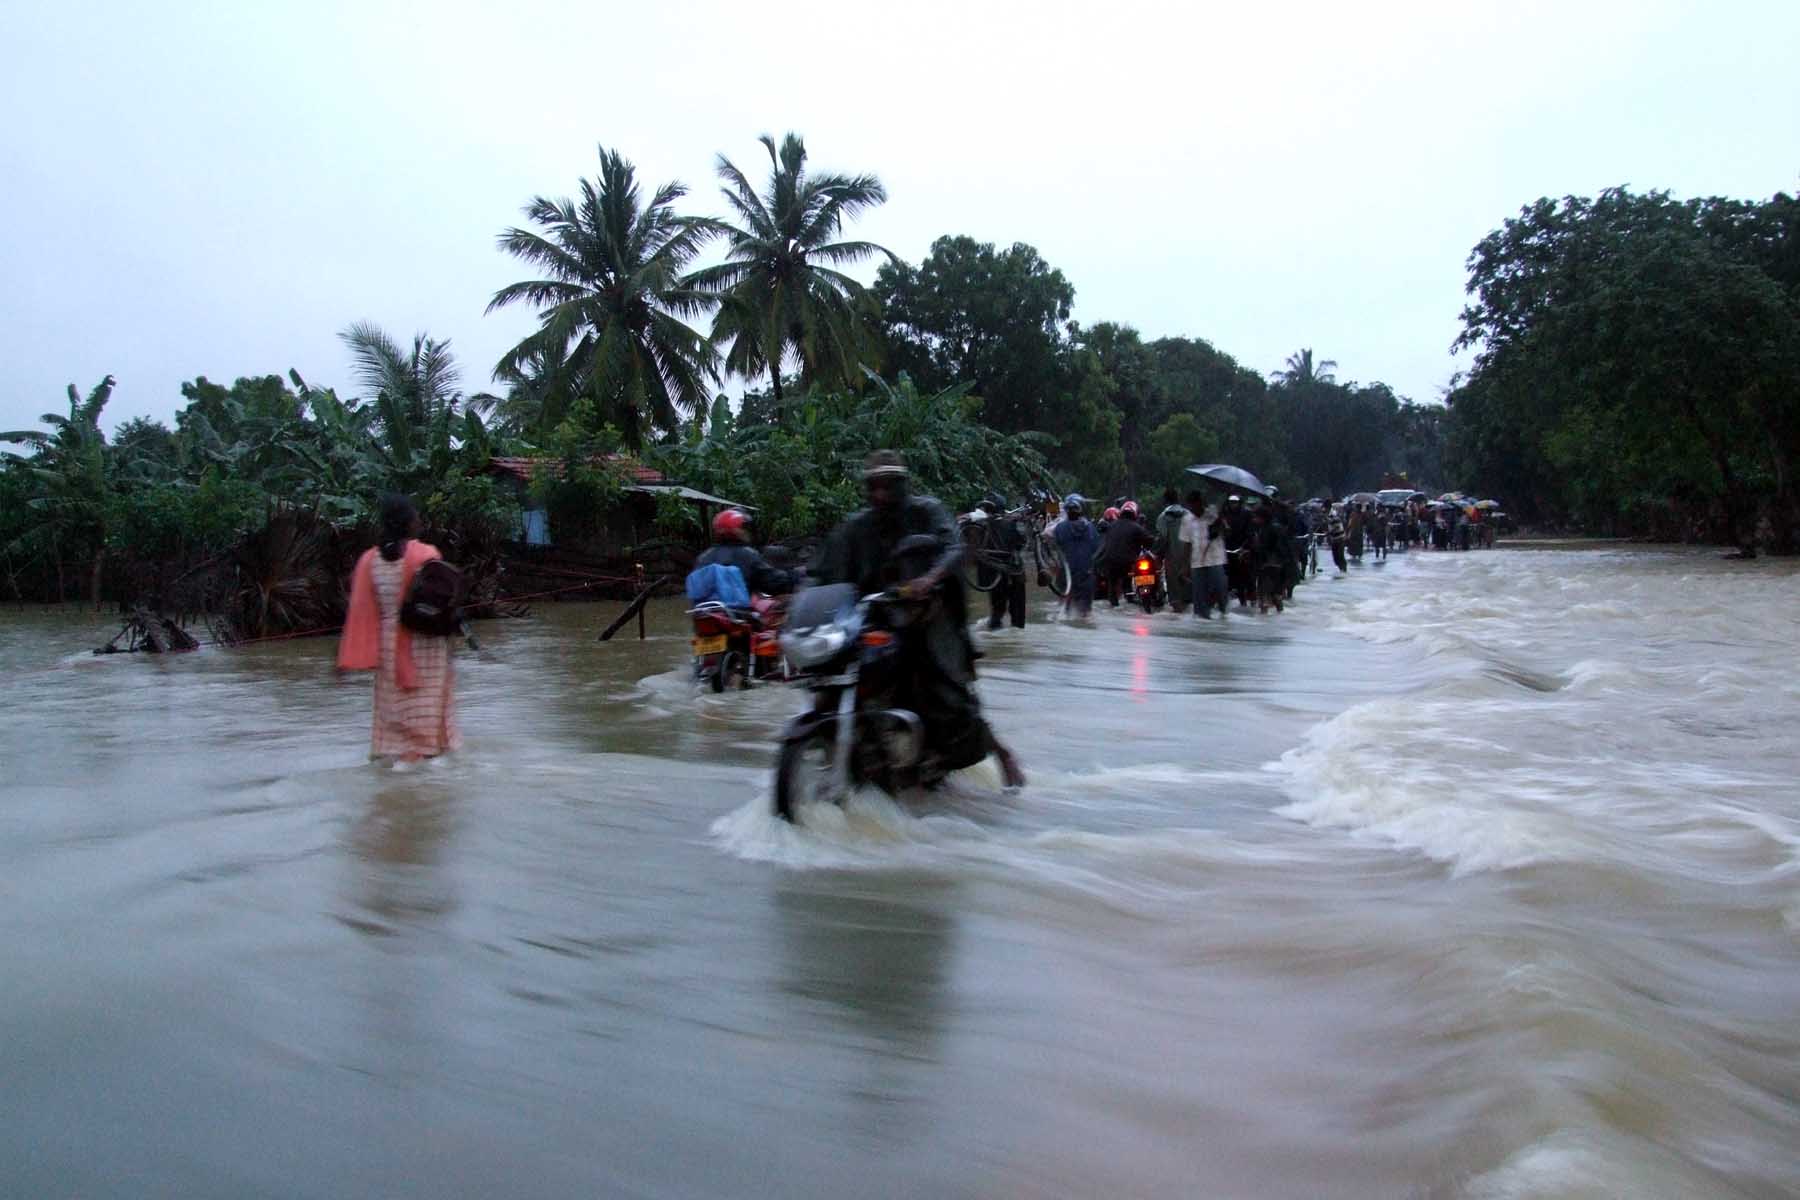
[
  {"x": 1147, "y": 582},
  {"x": 846, "y": 647},
  {"x": 733, "y": 647}
]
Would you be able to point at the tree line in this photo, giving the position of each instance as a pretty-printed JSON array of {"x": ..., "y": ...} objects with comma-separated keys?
[
  {"x": 1632, "y": 353},
  {"x": 619, "y": 296},
  {"x": 1637, "y": 367}
]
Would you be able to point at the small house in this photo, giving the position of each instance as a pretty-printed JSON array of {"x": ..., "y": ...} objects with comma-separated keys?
[{"x": 630, "y": 525}]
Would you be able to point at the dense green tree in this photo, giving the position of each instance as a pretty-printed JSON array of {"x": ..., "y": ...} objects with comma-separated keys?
[
  {"x": 146, "y": 447},
  {"x": 1633, "y": 352},
  {"x": 1087, "y": 428},
  {"x": 800, "y": 473},
  {"x": 992, "y": 319},
  {"x": 782, "y": 293},
  {"x": 67, "y": 484},
  {"x": 1173, "y": 446},
  {"x": 1132, "y": 391},
  {"x": 613, "y": 302},
  {"x": 1232, "y": 400}
]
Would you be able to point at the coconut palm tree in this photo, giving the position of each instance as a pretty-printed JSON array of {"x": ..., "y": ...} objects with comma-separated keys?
[
  {"x": 780, "y": 292},
  {"x": 422, "y": 420},
  {"x": 421, "y": 381},
  {"x": 1301, "y": 371},
  {"x": 613, "y": 303},
  {"x": 415, "y": 392}
]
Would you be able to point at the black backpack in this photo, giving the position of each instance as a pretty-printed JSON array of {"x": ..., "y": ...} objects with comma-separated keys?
[{"x": 434, "y": 603}]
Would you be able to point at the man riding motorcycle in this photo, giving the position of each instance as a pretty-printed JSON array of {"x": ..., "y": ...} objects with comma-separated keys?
[
  {"x": 731, "y": 548},
  {"x": 1120, "y": 545},
  {"x": 861, "y": 551}
]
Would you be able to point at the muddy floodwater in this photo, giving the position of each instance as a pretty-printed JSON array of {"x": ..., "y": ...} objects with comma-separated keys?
[{"x": 1472, "y": 875}]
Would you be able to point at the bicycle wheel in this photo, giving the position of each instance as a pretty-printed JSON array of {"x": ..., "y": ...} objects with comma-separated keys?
[
  {"x": 1051, "y": 562},
  {"x": 981, "y": 556}
]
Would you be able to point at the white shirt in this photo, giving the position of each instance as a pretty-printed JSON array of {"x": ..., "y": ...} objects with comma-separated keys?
[{"x": 1208, "y": 551}]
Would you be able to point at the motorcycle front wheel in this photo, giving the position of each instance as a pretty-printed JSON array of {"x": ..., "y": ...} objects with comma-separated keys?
[{"x": 803, "y": 774}]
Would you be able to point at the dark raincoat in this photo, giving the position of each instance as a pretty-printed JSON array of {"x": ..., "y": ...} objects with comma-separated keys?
[{"x": 861, "y": 552}]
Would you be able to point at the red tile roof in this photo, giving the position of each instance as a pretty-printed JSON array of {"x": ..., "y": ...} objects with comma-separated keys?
[{"x": 524, "y": 468}]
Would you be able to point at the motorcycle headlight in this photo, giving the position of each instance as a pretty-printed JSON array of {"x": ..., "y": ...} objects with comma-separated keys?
[{"x": 812, "y": 647}]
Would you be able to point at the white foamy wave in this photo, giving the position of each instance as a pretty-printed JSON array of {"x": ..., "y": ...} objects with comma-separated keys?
[
  {"x": 1584, "y": 708},
  {"x": 1597, "y": 676},
  {"x": 829, "y": 838},
  {"x": 870, "y": 830},
  {"x": 971, "y": 828},
  {"x": 1591, "y": 1165},
  {"x": 1366, "y": 771}
]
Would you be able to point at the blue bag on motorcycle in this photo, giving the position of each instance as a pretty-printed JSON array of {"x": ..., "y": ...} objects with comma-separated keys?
[{"x": 717, "y": 581}]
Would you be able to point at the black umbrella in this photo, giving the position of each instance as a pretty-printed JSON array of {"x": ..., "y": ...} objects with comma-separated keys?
[{"x": 1227, "y": 476}]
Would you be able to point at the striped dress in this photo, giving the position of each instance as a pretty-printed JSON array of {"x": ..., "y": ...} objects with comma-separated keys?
[{"x": 417, "y": 722}]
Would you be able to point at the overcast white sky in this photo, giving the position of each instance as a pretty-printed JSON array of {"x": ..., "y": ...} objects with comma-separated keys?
[{"x": 217, "y": 189}]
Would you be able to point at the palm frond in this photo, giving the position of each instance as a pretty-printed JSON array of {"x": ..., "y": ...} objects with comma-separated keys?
[{"x": 376, "y": 361}]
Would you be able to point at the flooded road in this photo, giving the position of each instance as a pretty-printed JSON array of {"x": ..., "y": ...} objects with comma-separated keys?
[{"x": 1472, "y": 875}]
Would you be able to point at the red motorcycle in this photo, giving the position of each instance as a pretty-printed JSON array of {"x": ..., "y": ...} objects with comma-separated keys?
[{"x": 733, "y": 647}]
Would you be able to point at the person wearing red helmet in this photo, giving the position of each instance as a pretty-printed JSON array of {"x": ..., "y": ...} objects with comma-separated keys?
[
  {"x": 1125, "y": 538},
  {"x": 731, "y": 548}
]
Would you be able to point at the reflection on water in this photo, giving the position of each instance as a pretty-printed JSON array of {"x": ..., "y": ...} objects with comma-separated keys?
[
  {"x": 875, "y": 964},
  {"x": 1471, "y": 876},
  {"x": 396, "y": 843}
]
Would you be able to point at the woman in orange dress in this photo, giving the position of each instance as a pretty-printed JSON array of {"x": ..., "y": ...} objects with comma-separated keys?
[{"x": 415, "y": 704}]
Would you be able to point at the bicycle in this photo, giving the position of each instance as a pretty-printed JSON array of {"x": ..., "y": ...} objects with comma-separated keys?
[
  {"x": 987, "y": 560},
  {"x": 1047, "y": 556}
]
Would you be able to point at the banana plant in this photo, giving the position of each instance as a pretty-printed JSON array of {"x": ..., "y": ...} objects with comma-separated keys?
[{"x": 68, "y": 472}]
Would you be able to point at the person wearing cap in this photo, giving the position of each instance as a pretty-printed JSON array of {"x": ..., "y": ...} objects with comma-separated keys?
[
  {"x": 731, "y": 548},
  {"x": 862, "y": 551},
  {"x": 1078, "y": 540}
]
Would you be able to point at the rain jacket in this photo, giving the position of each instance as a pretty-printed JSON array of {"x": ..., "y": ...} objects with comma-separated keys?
[
  {"x": 758, "y": 574},
  {"x": 1169, "y": 525}
]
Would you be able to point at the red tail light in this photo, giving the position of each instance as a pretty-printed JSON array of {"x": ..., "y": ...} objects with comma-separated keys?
[
  {"x": 1143, "y": 564},
  {"x": 711, "y": 625},
  {"x": 877, "y": 637}
]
